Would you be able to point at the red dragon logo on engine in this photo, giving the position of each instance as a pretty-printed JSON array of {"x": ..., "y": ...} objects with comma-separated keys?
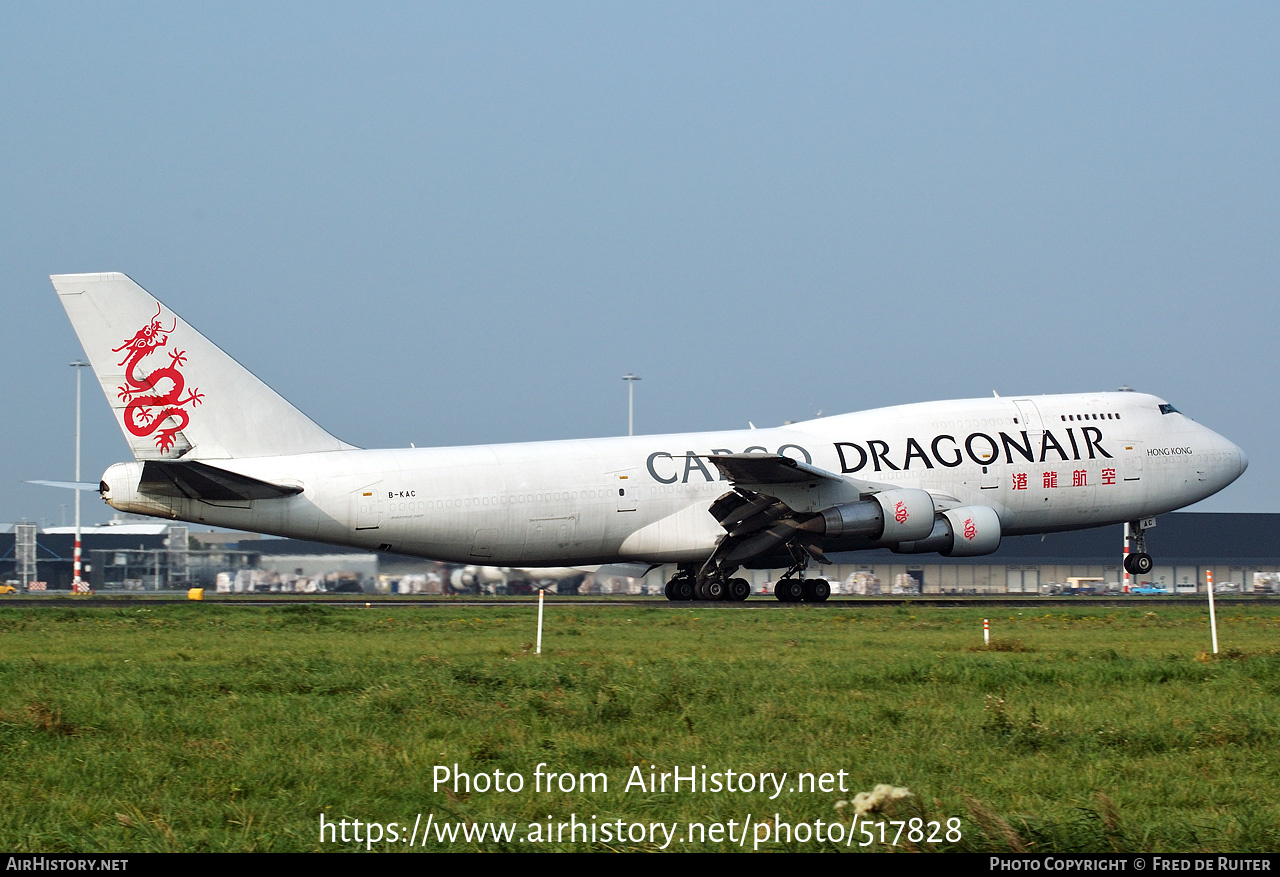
[
  {"x": 970, "y": 531},
  {"x": 156, "y": 397},
  {"x": 900, "y": 512}
]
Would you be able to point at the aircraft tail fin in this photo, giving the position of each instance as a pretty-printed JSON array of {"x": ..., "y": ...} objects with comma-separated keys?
[{"x": 174, "y": 393}]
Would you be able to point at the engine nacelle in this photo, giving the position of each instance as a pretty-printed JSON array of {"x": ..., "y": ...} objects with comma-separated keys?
[
  {"x": 892, "y": 516},
  {"x": 968, "y": 531}
]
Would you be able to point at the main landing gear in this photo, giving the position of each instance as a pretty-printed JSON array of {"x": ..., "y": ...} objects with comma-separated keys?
[
  {"x": 802, "y": 590},
  {"x": 685, "y": 585},
  {"x": 793, "y": 587},
  {"x": 1138, "y": 562},
  {"x": 715, "y": 585}
]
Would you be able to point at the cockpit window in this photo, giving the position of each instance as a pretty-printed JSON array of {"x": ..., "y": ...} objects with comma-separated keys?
[{"x": 1166, "y": 408}]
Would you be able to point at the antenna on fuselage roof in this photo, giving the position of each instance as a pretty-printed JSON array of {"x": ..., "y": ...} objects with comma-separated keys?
[{"x": 994, "y": 393}]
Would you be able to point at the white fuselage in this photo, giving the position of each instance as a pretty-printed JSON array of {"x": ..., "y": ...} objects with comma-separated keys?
[{"x": 1042, "y": 463}]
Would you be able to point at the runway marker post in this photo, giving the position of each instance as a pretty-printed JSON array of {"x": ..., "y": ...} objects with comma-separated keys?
[
  {"x": 1213, "y": 619},
  {"x": 538, "y": 650}
]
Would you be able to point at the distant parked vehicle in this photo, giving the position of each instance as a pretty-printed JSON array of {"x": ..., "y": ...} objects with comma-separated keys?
[{"x": 1147, "y": 589}]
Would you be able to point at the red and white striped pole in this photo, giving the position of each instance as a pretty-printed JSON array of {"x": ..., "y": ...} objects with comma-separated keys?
[
  {"x": 1125, "y": 565},
  {"x": 986, "y": 632},
  {"x": 76, "y": 585}
]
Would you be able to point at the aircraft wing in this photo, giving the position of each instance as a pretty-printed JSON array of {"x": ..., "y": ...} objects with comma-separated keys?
[
  {"x": 196, "y": 480},
  {"x": 762, "y": 469},
  {"x": 788, "y": 479},
  {"x": 775, "y": 498},
  {"x": 780, "y": 476}
]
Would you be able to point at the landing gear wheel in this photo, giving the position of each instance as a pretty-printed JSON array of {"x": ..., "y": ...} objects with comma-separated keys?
[
  {"x": 816, "y": 590},
  {"x": 739, "y": 589},
  {"x": 681, "y": 589},
  {"x": 1138, "y": 564},
  {"x": 789, "y": 590},
  {"x": 669, "y": 589},
  {"x": 715, "y": 589}
]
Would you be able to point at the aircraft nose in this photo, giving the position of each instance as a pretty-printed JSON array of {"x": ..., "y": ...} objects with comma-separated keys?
[
  {"x": 1241, "y": 460},
  {"x": 1234, "y": 460}
]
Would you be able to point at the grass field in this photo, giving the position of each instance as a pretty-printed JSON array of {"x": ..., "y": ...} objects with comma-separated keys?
[{"x": 213, "y": 727}]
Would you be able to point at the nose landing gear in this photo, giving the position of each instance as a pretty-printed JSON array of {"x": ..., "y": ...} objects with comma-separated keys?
[{"x": 1138, "y": 562}]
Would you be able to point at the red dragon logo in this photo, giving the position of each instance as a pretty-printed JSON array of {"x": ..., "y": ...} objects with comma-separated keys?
[
  {"x": 970, "y": 531},
  {"x": 156, "y": 397},
  {"x": 900, "y": 512}
]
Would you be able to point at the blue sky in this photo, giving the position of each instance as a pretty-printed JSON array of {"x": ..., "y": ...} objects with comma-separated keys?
[{"x": 463, "y": 223}]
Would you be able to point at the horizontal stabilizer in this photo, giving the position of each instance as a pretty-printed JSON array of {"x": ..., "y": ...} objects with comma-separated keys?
[
  {"x": 623, "y": 570},
  {"x": 201, "y": 481}
]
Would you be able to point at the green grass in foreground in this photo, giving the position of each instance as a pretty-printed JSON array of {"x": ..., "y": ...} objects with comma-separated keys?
[{"x": 207, "y": 727}]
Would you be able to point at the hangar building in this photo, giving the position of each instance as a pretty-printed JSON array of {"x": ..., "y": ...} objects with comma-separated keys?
[{"x": 1238, "y": 548}]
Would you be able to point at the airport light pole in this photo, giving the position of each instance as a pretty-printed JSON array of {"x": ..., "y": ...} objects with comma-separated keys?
[
  {"x": 631, "y": 402},
  {"x": 75, "y": 577}
]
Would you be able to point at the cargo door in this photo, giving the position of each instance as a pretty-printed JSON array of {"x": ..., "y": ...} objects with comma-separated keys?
[{"x": 549, "y": 539}]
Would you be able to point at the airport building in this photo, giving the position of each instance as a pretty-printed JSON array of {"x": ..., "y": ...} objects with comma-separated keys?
[
  {"x": 1241, "y": 550},
  {"x": 137, "y": 554}
]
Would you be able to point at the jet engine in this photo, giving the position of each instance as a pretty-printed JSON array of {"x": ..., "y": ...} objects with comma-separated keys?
[
  {"x": 964, "y": 532},
  {"x": 899, "y": 515}
]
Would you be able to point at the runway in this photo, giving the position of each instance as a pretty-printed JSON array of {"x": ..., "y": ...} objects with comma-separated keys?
[{"x": 755, "y": 603}]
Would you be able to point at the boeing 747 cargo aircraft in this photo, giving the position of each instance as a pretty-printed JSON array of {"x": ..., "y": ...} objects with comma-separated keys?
[{"x": 212, "y": 444}]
